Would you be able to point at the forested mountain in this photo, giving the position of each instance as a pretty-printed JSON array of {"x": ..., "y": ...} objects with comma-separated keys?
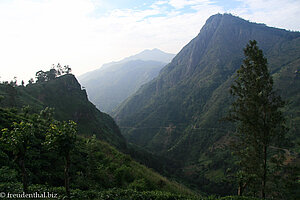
[
  {"x": 111, "y": 84},
  {"x": 69, "y": 101},
  {"x": 174, "y": 122},
  {"x": 96, "y": 169},
  {"x": 179, "y": 113}
]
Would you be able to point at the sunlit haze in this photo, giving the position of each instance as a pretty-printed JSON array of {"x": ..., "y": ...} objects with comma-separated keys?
[{"x": 88, "y": 33}]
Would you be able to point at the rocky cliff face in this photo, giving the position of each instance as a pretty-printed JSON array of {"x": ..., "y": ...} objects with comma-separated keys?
[{"x": 178, "y": 113}]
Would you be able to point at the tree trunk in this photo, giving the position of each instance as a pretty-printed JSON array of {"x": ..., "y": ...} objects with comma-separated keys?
[
  {"x": 241, "y": 188},
  {"x": 263, "y": 188},
  {"x": 24, "y": 174},
  {"x": 67, "y": 179}
]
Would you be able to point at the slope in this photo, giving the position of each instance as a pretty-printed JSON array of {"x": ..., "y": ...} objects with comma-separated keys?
[
  {"x": 95, "y": 166},
  {"x": 109, "y": 85},
  {"x": 177, "y": 114},
  {"x": 70, "y": 102}
]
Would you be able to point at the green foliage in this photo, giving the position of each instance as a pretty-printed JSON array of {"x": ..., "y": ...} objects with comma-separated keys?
[
  {"x": 64, "y": 94},
  {"x": 124, "y": 175},
  {"x": 260, "y": 123},
  {"x": 90, "y": 165},
  {"x": 12, "y": 187},
  {"x": 135, "y": 195},
  {"x": 238, "y": 198},
  {"x": 62, "y": 136},
  {"x": 178, "y": 113},
  {"x": 8, "y": 175},
  {"x": 54, "y": 72},
  {"x": 139, "y": 185},
  {"x": 18, "y": 140},
  {"x": 175, "y": 115}
]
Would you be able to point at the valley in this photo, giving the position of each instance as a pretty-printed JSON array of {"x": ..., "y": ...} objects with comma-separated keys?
[{"x": 154, "y": 125}]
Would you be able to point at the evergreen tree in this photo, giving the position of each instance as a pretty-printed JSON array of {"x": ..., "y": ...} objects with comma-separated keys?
[{"x": 260, "y": 123}]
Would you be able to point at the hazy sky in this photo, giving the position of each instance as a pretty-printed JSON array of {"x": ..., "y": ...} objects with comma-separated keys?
[{"x": 34, "y": 34}]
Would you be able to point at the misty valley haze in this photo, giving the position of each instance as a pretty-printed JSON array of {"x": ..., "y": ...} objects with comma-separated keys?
[
  {"x": 111, "y": 84},
  {"x": 166, "y": 134}
]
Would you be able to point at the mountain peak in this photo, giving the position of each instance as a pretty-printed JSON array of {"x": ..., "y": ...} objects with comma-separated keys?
[
  {"x": 196, "y": 81},
  {"x": 151, "y": 54},
  {"x": 220, "y": 31},
  {"x": 152, "y": 50},
  {"x": 224, "y": 16}
]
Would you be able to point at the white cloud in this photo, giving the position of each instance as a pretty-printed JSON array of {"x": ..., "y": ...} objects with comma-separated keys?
[
  {"x": 276, "y": 13},
  {"x": 39, "y": 33},
  {"x": 161, "y": 2},
  {"x": 178, "y": 4},
  {"x": 35, "y": 34}
]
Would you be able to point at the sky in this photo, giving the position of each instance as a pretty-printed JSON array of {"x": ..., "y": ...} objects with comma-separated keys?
[{"x": 84, "y": 34}]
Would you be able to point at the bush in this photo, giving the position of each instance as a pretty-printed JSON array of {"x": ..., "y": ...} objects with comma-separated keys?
[
  {"x": 7, "y": 174},
  {"x": 11, "y": 187},
  {"x": 238, "y": 198},
  {"x": 124, "y": 175},
  {"x": 117, "y": 194}
]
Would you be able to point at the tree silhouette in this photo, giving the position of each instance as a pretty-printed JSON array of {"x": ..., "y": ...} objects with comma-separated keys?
[{"x": 260, "y": 123}]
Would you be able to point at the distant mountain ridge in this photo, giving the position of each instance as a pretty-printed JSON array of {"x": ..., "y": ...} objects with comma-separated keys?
[
  {"x": 178, "y": 113},
  {"x": 154, "y": 54},
  {"x": 111, "y": 84},
  {"x": 146, "y": 55}
]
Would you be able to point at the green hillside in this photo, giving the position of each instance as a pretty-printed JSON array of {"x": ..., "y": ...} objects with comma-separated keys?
[
  {"x": 97, "y": 170},
  {"x": 69, "y": 101},
  {"x": 178, "y": 114},
  {"x": 173, "y": 124}
]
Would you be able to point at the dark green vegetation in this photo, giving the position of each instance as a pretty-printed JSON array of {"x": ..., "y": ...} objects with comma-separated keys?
[
  {"x": 30, "y": 133},
  {"x": 175, "y": 116},
  {"x": 260, "y": 136},
  {"x": 111, "y": 84},
  {"x": 178, "y": 114},
  {"x": 40, "y": 150},
  {"x": 69, "y": 101},
  {"x": 54, "y": 72},
  {"x": 40, "y": 154}
]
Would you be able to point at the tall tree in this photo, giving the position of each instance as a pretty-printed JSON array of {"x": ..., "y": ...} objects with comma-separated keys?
[
  {"x": 18, "y": 141},
  {"x": 67, "y": 69},
  {"x": 62, "y": 136},
  {"x": 51, "y": 74},
  {"x": 41, "y": 76},
  {"x": 260, "y": 123}
]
